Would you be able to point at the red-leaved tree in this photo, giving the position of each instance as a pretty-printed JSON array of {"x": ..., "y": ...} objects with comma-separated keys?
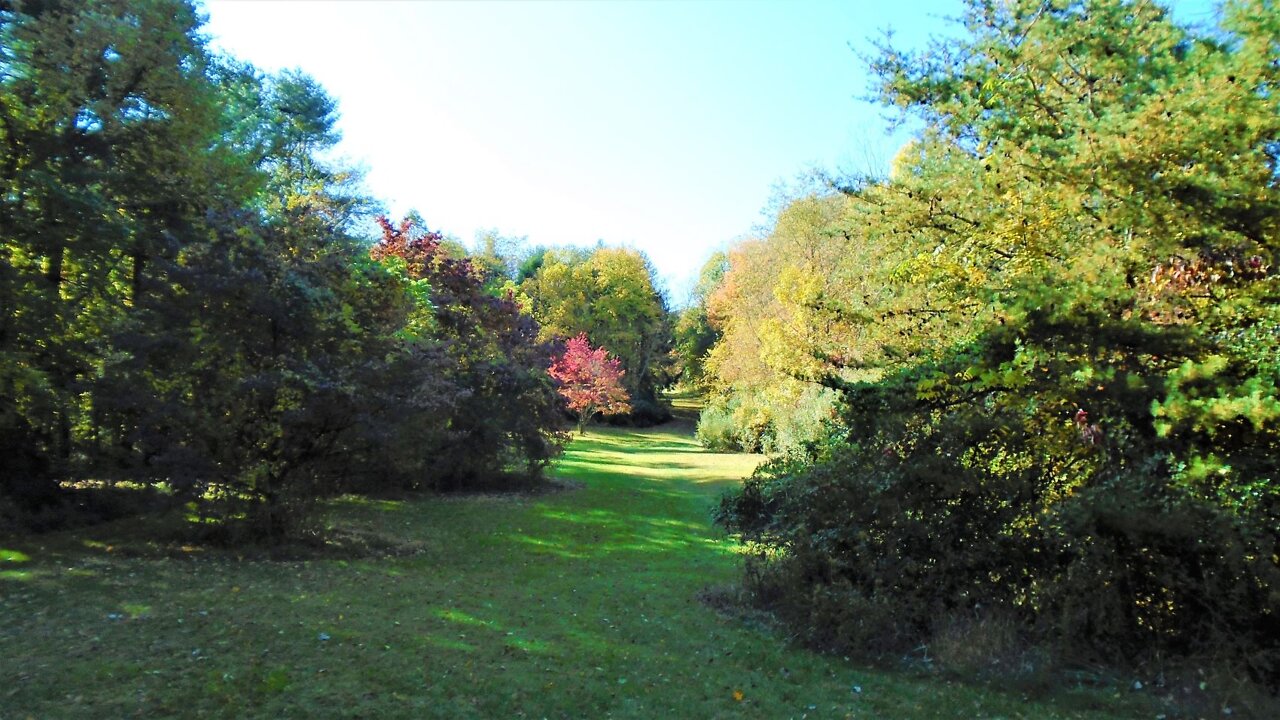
[
  {"x": 590, "y": 381},
  {"x": 502, "y": 412}
]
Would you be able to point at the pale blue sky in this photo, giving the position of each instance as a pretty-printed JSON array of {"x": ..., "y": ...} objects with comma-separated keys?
[{"x": 664, "y": 125}]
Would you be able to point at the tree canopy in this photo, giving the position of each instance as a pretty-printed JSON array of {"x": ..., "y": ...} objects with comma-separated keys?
[
  {"x": 609, "y": 294},
  {"x": 1050, "y": 335},
  {"x": 186, "y": 301},
  {"x": 590, "y": 381}
]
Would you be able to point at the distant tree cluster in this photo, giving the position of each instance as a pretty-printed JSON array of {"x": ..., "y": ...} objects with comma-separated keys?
[
  {"x": 762, "y": 369},
  {"x": 1038, "y": 362},
  {"x": 610, "y": 295},
  {"x": 186, "y": 302}
]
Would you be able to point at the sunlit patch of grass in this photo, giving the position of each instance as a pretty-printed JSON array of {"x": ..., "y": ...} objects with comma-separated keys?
[
  {"x": 197, "y": 519},
  {"x": 136, "y": 610},
  {"x": 450, "y": 644},
  {"x": 582, "y": 603},
  {"x": 13, "y": 556},
  {"x": 91, "y": 484},
  {"x": 458, "y": 616},
  {"x": 368, "y": 502}
]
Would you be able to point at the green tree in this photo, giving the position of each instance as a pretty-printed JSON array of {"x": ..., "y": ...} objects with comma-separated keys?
[
  {"x": 185, "y": 301},
  {"x": 285, "y": 126},
  {"x": 106, "y": 120},
  {"x": 694, "y": 335},
  {"x": 1056, "y": 402},
  {"x": 609, "y": 294}
]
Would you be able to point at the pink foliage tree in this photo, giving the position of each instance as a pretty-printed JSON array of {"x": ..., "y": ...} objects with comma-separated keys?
[{"x": 590, "y": 381}]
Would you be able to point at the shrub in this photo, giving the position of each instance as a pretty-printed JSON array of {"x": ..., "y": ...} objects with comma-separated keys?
[
  {"x": 716, "y": 430},
  {"x": 1110, "y": 561}
]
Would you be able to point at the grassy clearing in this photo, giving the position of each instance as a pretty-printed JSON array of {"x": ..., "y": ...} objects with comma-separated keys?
[{"x": 581, "y": 603}]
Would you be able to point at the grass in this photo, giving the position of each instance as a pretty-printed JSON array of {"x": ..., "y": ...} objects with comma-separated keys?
[{"x": 580, "y": 603}]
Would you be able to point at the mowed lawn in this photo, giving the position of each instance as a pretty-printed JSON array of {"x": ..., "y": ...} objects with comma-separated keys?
[{"x": 583, "y": 602}]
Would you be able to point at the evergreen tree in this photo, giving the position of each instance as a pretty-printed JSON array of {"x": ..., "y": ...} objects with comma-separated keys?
[{"x": 1057, "y": 377}]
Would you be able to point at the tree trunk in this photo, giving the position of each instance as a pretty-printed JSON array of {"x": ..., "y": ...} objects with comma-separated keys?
[{"x": 54, "y": 273}]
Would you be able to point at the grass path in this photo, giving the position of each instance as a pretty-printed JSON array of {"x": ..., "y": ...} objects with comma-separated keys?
[{"x": 581, "y": 603}]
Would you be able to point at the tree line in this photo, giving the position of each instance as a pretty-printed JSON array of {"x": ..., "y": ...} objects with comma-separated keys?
[
  {"x": 195, "y": 299},
  {"x": 1025, "y": 385}
]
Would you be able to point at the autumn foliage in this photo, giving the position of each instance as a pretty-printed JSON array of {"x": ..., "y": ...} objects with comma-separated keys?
[
  {"x": 504, "y": 408},
  {"x": 590, "y": 381},
  {"x": 1028, "y": 378}
]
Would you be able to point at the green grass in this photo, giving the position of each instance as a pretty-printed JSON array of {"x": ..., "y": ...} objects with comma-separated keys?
[{"x": 580, "y": 603}]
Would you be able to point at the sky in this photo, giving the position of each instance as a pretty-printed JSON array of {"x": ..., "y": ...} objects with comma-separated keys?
[{"x": 672, "y": 126}]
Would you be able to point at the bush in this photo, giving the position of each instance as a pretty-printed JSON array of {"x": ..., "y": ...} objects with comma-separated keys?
[
  {"x": 989, "y": 645},
  {"x": 645, "y": 412},
  {"x": 1127, "y": 568},
  {"x": 740, "y": 421},
  {"x": 788, "y": 420},
  {"x": 716, "y": 430},
  {"x": 1096, "y": 545}
]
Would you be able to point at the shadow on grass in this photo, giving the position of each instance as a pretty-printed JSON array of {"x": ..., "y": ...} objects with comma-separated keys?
[{"x": 577, "y": 604}]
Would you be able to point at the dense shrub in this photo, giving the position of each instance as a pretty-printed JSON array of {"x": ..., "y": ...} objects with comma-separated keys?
[
  {"x": 716, "y": 429},
  {"x": 788, "y": 420},
  {"x": 645, "y": 412},
  {"x": 503, "y": 417},
  {"x": 1099, "y": 547}
]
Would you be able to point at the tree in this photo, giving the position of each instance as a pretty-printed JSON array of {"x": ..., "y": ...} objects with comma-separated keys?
[
  {"x": 106, "y": 127},
  {"x": 1051, "y": 331},
  {"x": 284, "y": 125},
  {"x": 590, "y": 381},
  {"x": 503, "y": 419},
  {"x": 610, "y": 295},
  {"x": 693, "y": 335},
  {"x": 770, "y": 329},
  {"x": 184, "y": 301}
]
